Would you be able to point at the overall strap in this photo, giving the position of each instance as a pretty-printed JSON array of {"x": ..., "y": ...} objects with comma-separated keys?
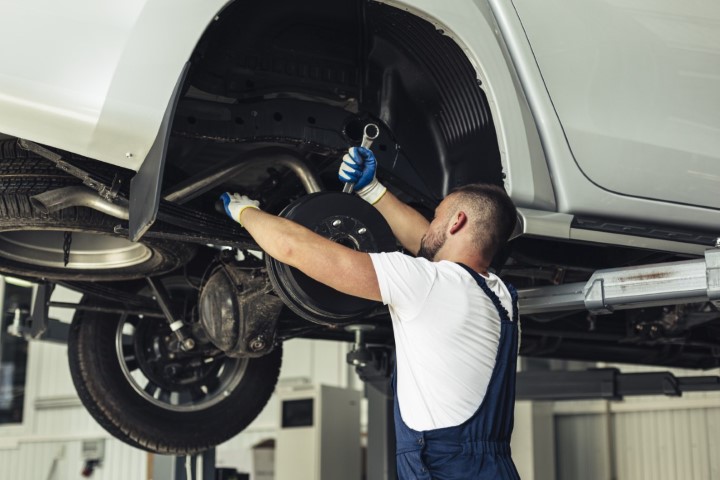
[
  {"x": 504, "y": 315},
  {"x": 514, "y": 298}
]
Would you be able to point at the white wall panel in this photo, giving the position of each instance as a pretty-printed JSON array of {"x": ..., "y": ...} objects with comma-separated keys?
[
  {"x": 667, "y": 445},
  {"x": 321, "y": 362},
  {"x": 581, "y": 449},
  {"x": 63, "y": 461},
  {"x": 645, "y": 437},
  {"x": 62, "y": 294},
  {"x": 55, "y": 422},
  {"x": 53, "y": 375}
]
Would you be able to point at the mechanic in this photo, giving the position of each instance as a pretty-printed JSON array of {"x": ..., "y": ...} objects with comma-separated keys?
[{"x": 455, "y": 323}]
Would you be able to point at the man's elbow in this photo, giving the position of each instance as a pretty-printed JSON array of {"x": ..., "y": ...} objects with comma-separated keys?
[{"x": 285, "y": 252}]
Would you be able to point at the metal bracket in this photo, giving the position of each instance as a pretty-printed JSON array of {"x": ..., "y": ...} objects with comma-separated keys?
[
  {"x": 372, "y": 364},
  {"x": 595, "y": 298},
  {"x": 109, "y": 193},
  {"x": 712, "y": 262},
  {"x": 38, "y": 319}
]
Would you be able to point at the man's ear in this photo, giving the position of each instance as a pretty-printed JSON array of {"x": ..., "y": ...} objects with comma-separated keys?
[{"x": 459, "y": 222}]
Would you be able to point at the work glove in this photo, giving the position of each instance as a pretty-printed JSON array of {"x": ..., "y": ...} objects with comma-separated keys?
[
  {"x": 235, "y": 203},
  {"x": 358, "y": 167}
]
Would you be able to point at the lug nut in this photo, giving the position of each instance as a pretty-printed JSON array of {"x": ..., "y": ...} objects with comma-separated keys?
[
  {"x": 188, "y": 344},
  {"x": 362, "y": 231},
  {"x": 337, "y": 223},
  {"x": 257, "y": 344}
]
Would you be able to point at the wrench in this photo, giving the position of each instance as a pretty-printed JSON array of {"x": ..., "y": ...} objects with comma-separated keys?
[{"x": 370, "y": 133}]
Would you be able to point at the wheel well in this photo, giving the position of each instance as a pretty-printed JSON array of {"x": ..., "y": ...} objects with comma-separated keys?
[{"x": 309, "y": 74}]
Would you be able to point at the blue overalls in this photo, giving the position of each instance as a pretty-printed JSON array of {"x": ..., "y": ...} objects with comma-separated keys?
[{"x": 479, "y": 448}]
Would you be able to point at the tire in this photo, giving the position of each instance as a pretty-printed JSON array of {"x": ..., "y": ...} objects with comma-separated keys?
[
  {"x": 32, "y": 243},
  {"x": 137, "y": 419}
]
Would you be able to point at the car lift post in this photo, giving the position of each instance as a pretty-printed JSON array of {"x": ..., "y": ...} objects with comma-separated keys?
[{"x": 374, "y": 366}]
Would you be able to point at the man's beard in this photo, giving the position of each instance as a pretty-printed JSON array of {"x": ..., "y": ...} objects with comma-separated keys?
[{"x": 431, "y": 244}]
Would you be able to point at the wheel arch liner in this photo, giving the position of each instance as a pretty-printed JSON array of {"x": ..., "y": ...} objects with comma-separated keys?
[{"x": 472, "y": 26}]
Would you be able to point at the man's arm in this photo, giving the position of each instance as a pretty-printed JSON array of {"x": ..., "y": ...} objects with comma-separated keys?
[
  {"x": 407, "y": 224},
  {"x": 339, "y": 267}
]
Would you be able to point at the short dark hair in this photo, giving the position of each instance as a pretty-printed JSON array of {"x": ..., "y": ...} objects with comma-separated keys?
[{"x": 492, "y": 213}]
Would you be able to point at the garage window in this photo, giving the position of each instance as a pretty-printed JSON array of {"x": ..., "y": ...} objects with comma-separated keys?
[{"x": 15, "y": 298}]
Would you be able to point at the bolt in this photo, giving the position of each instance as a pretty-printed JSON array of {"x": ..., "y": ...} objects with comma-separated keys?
[
  {"x": 362, "y": 231},
  {"x": 257, "y": 344},
  {"x": 337, "y": 223},
  {"x": 128, "y": 155},
  {"x": 188, "y": 344}
]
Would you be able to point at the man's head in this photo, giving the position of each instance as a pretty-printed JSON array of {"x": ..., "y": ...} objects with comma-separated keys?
[{"x": 476, "y": 217}]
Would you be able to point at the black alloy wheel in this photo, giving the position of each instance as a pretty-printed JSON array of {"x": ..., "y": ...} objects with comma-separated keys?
[{"x": 141, "y": 387}]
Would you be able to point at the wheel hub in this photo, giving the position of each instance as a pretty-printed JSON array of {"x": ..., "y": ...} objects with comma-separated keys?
[{"x": 162, "y": 373}]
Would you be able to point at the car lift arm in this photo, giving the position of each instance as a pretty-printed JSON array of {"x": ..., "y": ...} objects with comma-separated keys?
[
  {"x": 606, "y": 383},
  {"x": 631, "y": 287}
]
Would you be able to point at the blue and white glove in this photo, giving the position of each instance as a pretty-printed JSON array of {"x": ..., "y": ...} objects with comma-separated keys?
[
  {"x": 358, "y": 166},
  {"x": 236, "y": 203}
]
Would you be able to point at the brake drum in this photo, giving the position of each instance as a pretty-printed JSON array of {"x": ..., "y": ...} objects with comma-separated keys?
[{"x": 345, "y": 219}]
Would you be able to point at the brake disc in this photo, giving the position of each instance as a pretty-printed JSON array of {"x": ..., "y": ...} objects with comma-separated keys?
[{"x": 345, "y": 219}]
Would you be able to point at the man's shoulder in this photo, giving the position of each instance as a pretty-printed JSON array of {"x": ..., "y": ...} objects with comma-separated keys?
[
  {"x": 405, "y": 262},
  {"x": 400, "y": 258}
]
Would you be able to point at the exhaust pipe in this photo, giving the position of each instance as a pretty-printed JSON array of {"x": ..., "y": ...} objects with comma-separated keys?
[
  {"x": 54, "y": 200},
  {"x": 214, "y": 177},
  {"x": 78, "y": 196}
]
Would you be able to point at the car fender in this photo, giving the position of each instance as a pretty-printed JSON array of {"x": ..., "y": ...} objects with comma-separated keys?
[{"x": 95, "y": 78}]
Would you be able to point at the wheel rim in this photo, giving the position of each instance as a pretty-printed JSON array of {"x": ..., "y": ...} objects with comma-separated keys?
[
  {"x": 88, "y": 251},
  {"x": 188, "y": 382}
]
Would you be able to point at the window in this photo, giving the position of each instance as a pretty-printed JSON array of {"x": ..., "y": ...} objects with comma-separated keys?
[{"x": 15, "y": 301}]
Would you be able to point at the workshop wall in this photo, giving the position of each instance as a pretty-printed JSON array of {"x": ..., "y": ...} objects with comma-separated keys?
[
  {"x": 48, "y": 443},
  {"x": 652, "y": 437},
  {"x": 304, "y": 362}
]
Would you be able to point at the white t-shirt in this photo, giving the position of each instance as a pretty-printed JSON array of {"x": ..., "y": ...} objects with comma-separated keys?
[{"x": 447, "y": 332}]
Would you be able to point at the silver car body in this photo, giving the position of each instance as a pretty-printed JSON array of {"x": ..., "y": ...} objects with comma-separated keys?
[{"x": 602, "y": 108}]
